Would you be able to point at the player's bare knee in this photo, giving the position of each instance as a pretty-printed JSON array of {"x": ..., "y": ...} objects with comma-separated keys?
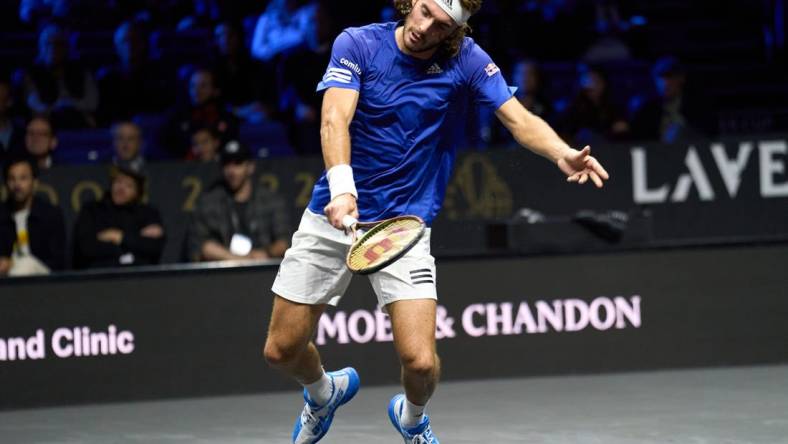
[
  {"x": 279, "y": 353},
  {"x": 422, "y": 363}
]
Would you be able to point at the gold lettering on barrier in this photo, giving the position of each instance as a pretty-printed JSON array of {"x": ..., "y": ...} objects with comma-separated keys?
[
  {"x": 80, "y": 188},
  {"x": 49, "y": 191},
  {"x": 194, "y": 185},
  {"x": 270, "y": 181},
  {"x": 305, "y": 194},
  {"x": 477, "y": 191}
]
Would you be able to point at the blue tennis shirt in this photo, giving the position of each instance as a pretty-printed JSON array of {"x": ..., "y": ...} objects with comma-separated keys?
[{"x": 404, "y": 132}]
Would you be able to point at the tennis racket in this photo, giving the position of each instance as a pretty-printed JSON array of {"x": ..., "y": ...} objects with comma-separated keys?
[{"x": 381, "y": 242}]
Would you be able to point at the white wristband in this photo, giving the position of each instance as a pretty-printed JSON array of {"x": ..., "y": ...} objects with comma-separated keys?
[{"x": 340, "y": 181}]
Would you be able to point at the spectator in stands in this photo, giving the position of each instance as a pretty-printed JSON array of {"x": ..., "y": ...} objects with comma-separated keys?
[
  {"x": 206, "y": 142},
  {"x": 39, "y": 232},
  {"x": 527, "y": 77},
  {"x": 6, "y": 241},
  {"x": 301, "y": 71},
  {"x": 203, "y": 14},
  {"x": 205, "y": 108},
  {"x": 12, "y": 139},
  {"x": 127, "y": 141},
  {"x": 671, "y": 115},
  {"x": 238, "y": 219},
  {"x": 286, "y": 25},
  {"x": 592, "y": 115},
  {"x": 79, "y": 14},
  {"x": 136, "y": 84},
  {"x": 609, "y": 45},
  {"x": 119, "y": 230},
  {"x": 41, "y": 141},
  {"x": 241, "y": 79},
  {"x": 58, "y": 87}
]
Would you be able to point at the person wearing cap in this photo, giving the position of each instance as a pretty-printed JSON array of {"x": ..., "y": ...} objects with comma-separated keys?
[
  {"x": 120, "y": 229},
  {"x": 672, "y": 115},
  {"x": 395, "y": 97},
  {"x": 37, "y": 229},
  {"x": 238, "y": 219}
]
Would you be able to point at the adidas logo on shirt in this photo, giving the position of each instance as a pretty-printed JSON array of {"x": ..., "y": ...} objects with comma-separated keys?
[
  {"x": 340, "y": 75},
  {"x": 434, "y": 69}
]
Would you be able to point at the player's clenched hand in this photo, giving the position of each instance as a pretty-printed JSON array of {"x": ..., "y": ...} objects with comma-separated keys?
[
  {"x": 342, "y": 205},
  {"x": 581, "y": 166}
]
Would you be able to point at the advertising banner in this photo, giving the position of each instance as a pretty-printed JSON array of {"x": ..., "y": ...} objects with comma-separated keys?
[{"x": 196, "y": 332}]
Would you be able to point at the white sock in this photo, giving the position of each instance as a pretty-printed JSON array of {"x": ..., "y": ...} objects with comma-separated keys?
[
  {"x": 320, "y": 391},
  {"x": 411, "y": 414}
]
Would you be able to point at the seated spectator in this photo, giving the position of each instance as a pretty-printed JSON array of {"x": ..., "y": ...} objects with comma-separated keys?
[
  {"x": 39, "y": 231},
  {"x": 205, "y": 108},
  {"x": 530, "y": 92},
  {"x": 206, "y": 142},
  {"x": 527, "y": 78},
  {"x": 11, "y": 133},
  {"x": 41, "y": 141},
  {"x": 119, "y": 230},
  {"x": 238, "y": 219},
  {"x": 79, "y": 14},
  {"x": 240, "y": 78},
  {"x": 60, "y": 88},
  {"x": 136, "y": 84},
  {"x": 6, "y": 241},
  {"x": 203, "y": 14},
  {"x": 127, "y": 141},
  {"x": 671, "y": 115},
  {"x": 301, "y": 71},
  {"x": 286, "y": 25},
  {"x": 610, "y": 25},
  {"x": 592, "y": 115}
]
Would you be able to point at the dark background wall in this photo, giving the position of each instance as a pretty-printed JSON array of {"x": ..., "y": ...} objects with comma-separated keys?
[{"x": 200, "y": 331}]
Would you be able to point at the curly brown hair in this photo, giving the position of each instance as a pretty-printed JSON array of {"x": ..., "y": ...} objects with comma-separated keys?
[{"x": 451, "y": 46}]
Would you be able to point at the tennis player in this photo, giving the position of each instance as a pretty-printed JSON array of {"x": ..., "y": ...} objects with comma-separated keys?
[{"x": 394, "y": 96}]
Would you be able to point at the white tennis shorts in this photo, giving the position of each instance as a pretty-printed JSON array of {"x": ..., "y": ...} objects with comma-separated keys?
[{"x": 313, "y": 270}]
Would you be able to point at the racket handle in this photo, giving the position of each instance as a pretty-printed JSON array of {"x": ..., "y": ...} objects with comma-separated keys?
[{"x": 349, "y": 222}]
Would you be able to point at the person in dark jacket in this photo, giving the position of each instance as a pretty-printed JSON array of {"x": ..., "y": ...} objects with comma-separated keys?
[
  {"x": 205, "y": 108},
  {"x": 6, "y": 241},
  {"x": 119, "y": 230},
  {"x": 38, "y": 231},
  {"x": 58, "y": 87},
  {"x": 675, "y": 114},
  {"x": 238, "y": 219},
  {"x": 593, "y": 115},
  {"x": 12, "y": 132}
]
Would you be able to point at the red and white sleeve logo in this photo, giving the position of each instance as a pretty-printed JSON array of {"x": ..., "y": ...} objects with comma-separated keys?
[{"x": 492, "y": 69}]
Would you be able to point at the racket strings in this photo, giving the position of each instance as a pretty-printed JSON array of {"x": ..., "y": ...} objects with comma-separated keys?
[{"x": 383, "y": 242}]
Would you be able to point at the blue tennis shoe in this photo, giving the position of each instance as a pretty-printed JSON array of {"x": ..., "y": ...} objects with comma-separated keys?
[
  {"x": 421, "y": 434},
  {"x": 315, "y": 420}
]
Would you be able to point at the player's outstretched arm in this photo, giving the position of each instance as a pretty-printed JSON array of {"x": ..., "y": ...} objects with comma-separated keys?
[
  {"x": 339, "y": 106},
  {"x": 535, "y": 134}
]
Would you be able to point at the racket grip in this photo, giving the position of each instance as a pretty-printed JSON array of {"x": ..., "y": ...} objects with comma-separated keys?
[{"x": 349, "y": 222}]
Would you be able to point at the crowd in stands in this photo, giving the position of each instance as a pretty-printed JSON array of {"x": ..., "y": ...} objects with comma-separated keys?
[
  {"x": 188, "y": 79},
  {"x": 236, "y": 219}
]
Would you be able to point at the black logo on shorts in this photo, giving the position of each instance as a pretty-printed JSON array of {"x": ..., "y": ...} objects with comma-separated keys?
[{"x": 421, "y": 276}]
